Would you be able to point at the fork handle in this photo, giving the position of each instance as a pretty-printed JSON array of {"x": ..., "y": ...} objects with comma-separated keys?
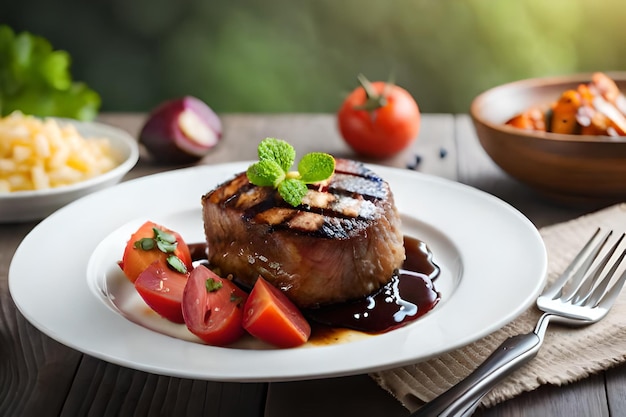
[{"x": 463, "y": 398}]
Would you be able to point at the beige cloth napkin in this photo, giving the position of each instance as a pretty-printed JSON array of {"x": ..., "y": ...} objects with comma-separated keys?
[{"x": 567, "y": 354}]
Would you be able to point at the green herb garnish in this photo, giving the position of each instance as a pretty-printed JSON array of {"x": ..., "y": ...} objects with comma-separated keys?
[
  {"x": 275, "y": 160},
  {"x": 166, "y": 243},
  {"x": 213, "y": 285},
  {"x": 176, "y": 264},
  {"x": 145, "y": 244},
  {"x": 236, "y": 299}
]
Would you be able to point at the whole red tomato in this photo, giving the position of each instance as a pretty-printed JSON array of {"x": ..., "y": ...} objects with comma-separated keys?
[{"x": 379, "y": 119}]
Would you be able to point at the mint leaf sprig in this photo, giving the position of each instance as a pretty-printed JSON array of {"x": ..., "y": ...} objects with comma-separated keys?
[{"x": 273, "y": 169}]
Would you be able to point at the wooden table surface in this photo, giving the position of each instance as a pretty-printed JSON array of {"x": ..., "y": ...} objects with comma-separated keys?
[{"x": 41, "y": 377}]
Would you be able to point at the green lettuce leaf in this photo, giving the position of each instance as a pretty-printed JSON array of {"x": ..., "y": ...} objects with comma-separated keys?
[{"x": 35, "y": 79}]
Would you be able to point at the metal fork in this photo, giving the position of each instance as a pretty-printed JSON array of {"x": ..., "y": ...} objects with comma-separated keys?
[{"x": 580, "y": 296}]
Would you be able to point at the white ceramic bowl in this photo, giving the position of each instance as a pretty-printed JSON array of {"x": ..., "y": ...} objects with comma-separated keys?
[{"x": 22, "y": 206}]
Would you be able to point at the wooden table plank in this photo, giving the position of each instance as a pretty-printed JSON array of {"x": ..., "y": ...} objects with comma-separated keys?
[
  {"x": 308, "y": 133},
  {"x": 434, "y": 152},
  {"x": 104, "y": 389},
  {"x": 615, "y": 380},
  {"x": 585, "y": 398},
  {"x": 30, "y": 359},
  {"x": 479, "y": 171},
  {"x": 44, "y": 378},
  {"x": 53, "y": 372},
  {"x": 356, "y": 395}
]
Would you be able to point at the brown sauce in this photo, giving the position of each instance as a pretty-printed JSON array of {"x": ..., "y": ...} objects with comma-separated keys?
[
  {"x": 409, "y": 295},
  {"x": 406, "y": 297}
]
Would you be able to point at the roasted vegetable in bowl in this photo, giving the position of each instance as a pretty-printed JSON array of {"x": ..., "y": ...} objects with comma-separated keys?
[
  {"x": 571, "y": 168},
  {"x": 594, "y": 108}
]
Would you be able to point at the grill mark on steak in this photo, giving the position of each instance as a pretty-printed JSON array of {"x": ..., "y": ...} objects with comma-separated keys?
[
  {"x": 349, "y": 184},
  {"x": 342, "y": 243},
  {"x": 346, "y": 202}
]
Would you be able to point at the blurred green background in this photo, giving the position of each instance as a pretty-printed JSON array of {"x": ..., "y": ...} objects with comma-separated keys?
[{"x": 303, "y": 56}]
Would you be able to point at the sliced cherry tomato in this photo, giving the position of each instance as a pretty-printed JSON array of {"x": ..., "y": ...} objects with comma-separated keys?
[
  {"x": 379, "y": 119},
  {"x": 162, "y": 289},
  {"x": 270, "y": 316},
  {"x": 213, "y": 307},
  {"x": 136, "y": 259}
]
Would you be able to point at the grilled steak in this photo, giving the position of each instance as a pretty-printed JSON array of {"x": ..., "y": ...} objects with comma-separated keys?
[{"x": 344, "y": 242}]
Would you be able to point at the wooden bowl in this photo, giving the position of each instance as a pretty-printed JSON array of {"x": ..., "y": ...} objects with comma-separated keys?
[{"x": 572, "y": 168}]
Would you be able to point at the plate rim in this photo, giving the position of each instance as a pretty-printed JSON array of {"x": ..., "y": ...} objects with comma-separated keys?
[{"x": 265, "y": 373}]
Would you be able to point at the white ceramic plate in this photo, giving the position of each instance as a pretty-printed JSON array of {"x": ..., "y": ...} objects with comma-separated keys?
[
  {"x": 63, "y": 278},
  {"x": 21, "y": 206}
]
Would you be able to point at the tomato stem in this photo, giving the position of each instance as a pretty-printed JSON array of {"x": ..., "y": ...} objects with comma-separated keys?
[{"x": 374, "y": 100}]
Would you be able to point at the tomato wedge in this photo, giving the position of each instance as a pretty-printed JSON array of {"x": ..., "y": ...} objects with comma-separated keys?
[
  {"x": 213, "y": 307},
  {"x": 270, "y": 316},
  {"x": 162, "y": 289},
  {"x": 136, "y": 259}
]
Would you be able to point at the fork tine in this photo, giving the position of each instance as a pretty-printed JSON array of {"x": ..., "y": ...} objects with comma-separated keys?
[
  {"x": 578, "y": 278},
  {"x": 554, "y": 290},
  {"x": 605, "y": 298},
  {"x": 586, "y": 287},
  {"x": 576, "y": 270},
  {"x": 610, "y": 296}
]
